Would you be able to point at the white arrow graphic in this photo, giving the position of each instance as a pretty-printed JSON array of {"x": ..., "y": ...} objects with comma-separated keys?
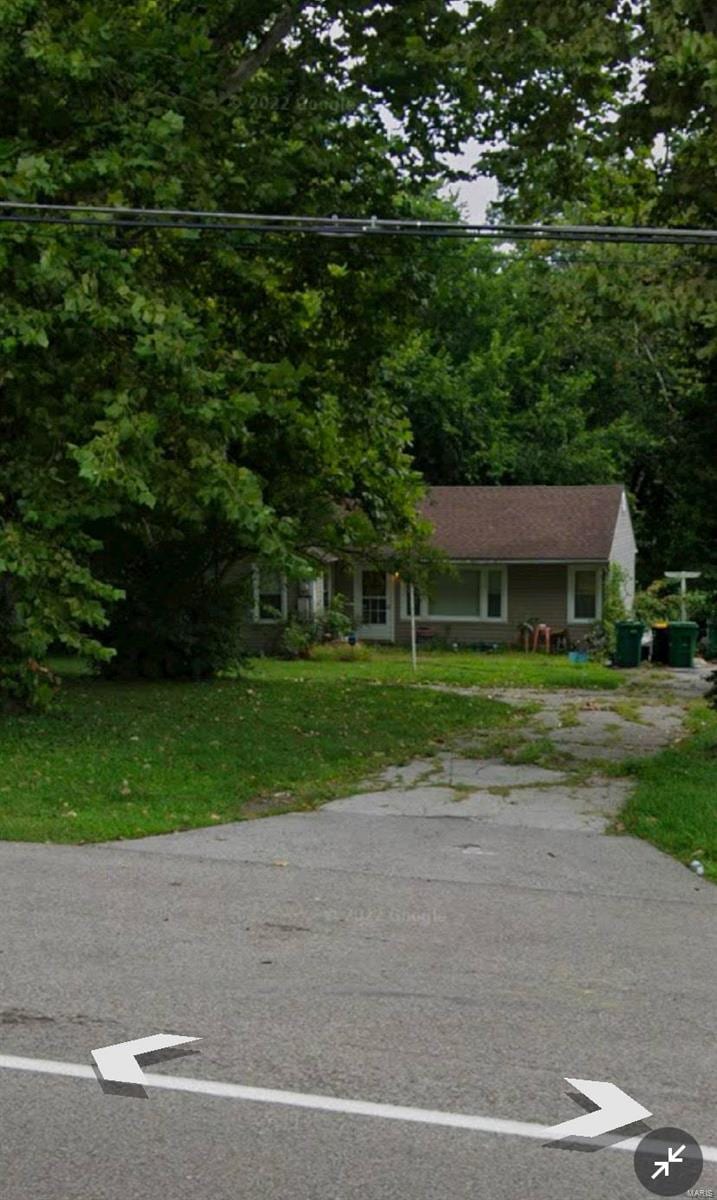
[
  {"x": 663, "y": 1165},
  {"x": 118, "y": 1063},
  {"x": 615, "y": 1109},
  {"x": 221, "y": 1090}
]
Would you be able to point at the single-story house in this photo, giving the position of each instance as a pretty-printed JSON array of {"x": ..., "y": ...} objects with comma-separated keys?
[{"x": 520, "y": 554}]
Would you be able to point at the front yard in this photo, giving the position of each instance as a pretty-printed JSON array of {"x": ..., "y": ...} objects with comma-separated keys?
[
  {"x": 125, "y": 760},
  {"x": 116, "y": 760},
  {"x": 674, "y": 805},
  {"x": 466, "y": 668}
]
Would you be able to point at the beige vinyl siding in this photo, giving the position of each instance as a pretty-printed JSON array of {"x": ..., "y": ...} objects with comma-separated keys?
[
  {"x": 253, "y": 636},
  {"x": 538, "y": 591},
  {"x": 261, "y": 639},
  {"x": 535, "y": 590},
  {"x": 264, "y": 637},
  {"x": 623, "y": 550}
]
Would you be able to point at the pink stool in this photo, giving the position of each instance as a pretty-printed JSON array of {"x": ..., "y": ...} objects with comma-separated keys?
[{"x": 544, "y": 632}]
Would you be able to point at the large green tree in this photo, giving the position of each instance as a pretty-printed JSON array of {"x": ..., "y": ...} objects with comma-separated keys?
[
  {"x": 552, "y": 365},
  {"x": 161, "y": 387},
  {"x": 606, "y": 111}
]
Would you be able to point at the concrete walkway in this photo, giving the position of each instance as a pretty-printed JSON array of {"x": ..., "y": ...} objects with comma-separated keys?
[{"x": 558, "y": 770}]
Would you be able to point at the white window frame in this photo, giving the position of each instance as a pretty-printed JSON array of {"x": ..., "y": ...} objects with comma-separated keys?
[
  {"x": 326, "y": 588},
  {"x": 598, "y": 573},
  {"x": 256, "y": 586},
  {"x": 321, "y": 591},
  {"x": 480, "y": 617},
  {"x": 378, "y": 633}
]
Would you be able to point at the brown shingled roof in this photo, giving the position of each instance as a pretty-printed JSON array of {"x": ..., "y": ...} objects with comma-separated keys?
[{"x": 512, "y": 524}]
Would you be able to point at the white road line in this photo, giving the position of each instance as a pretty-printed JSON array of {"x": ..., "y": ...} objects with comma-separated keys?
[{"x": 333, "y": 1104}]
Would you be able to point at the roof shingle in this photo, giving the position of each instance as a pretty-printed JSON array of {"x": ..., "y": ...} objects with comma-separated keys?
[{"x": 513, "y": 524}]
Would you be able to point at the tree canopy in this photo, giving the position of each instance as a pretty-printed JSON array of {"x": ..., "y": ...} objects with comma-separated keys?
[
  {"x": 606, "y": 112},
  {"x": 550, "y": 365},
  {"x": 250, "y": 396},
  {"x": 164, "y": 385}
]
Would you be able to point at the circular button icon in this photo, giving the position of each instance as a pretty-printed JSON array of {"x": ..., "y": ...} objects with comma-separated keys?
[{"x": 668, "y": 1161}]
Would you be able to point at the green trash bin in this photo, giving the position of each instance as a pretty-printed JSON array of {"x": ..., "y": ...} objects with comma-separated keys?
[
  {"x": 629, "y": 643},
  {"x": 660, "y": 642},
  {"x": 712, "y": 638},
  {"x": 683, "y": 641}
]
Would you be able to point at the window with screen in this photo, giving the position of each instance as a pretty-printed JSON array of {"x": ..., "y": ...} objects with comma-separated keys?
[
  {"x": 456, "y": 596},
  {"x": 374, "y": 602},
  {"x": 494, "y": 594},
  {"x": 269, "y": 595},
  {"x": 468, "y": 594},
  {"x": 585, "y": 606}
]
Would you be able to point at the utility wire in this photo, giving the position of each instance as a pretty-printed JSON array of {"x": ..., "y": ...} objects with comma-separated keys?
[{"x": 101, "y": 216}]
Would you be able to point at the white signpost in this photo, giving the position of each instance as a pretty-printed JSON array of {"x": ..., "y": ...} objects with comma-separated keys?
[{"x": 683, "y": 576}]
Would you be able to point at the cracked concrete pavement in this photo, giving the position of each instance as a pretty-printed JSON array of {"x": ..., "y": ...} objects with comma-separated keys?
[{"x": 560, "y": 783}]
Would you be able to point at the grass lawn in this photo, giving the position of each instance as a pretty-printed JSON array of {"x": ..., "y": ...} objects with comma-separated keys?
[
  {"x": 675, "y": 802},
  {"x": 466, "y": 667},
  {"x": 125, "y": 760}
]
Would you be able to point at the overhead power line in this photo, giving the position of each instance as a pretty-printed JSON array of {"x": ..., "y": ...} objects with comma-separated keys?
[{"x": 103, "y": 216}]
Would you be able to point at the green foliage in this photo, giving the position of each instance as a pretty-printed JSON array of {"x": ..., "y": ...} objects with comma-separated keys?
[
  {"x": 559, "y": 366},
  {"x": 701, "y": 606},
  {"x": 661, "y": 601},
  {"x": 164, "y": 384},
  {"x": 605, "y": 113},
  {"x": 615, "y": 581},
  {"x": 462, "y": 667},
  {"x": 27, "y": 684},
  {"x": 126, "y": 760},
  {"x": 298, "y": 638},
  {"x": 181, "y": 618},
  {"x": 656, "y": 603},
  {"x": 341, "y": 652},
  {"x": 47, "y": 597},
  {"x": 301, "y": 635},
  {"x": 673, "y": 805},
  {"x": 613, "y": 605}
]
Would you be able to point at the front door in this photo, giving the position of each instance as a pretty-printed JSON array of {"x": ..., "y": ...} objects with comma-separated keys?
[{"x": 372, "y": 605}]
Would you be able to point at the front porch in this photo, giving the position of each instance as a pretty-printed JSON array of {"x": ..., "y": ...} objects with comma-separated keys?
[{"x": 480, "y": 603}]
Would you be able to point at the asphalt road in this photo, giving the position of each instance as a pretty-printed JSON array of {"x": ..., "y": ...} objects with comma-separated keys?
[{"x": 441, "y": 963}]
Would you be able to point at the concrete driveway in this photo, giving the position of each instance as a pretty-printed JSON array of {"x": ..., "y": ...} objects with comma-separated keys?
[{"x": 459, "y": 936}]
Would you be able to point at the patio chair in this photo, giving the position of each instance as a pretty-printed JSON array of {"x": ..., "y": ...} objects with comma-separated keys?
[{"x": 560, "y": 640}]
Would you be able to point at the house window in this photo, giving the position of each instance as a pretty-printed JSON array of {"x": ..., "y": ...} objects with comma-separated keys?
[
  {"x": 584, "y": 594},
  {"x": 494, "y": 594},
  {"x": 472, "y": 594},
  {"x": 456, "y": 595},
  {"x": 417, "y": 598},
  {"x": 320, "y": 592},
  {"x": 374, "y": 603},
  {"x": 270, "y": 598}
]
